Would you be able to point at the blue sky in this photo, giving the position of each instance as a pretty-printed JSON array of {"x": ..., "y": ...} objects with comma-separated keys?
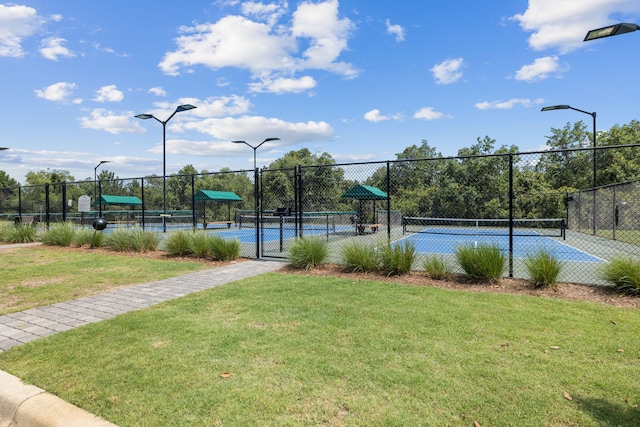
[{"x": 361, "y": 80}]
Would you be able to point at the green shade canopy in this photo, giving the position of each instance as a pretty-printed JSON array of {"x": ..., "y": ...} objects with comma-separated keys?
[
  {"x": 217, "y": 196},
  {"x": 118, "y": 200},
  {"x": 365, "y": 192}
]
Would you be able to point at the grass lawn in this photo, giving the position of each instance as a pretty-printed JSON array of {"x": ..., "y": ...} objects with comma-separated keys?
[
  {"x": 31, "y": 277},
  {"x": 283, "y": 349}
]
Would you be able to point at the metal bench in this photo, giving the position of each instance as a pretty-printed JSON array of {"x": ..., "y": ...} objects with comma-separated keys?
[
  {"x": 25, "y": 220},
  {"x": 362, "y": 228}
]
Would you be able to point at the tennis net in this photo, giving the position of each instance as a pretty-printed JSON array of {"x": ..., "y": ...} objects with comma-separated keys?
[
  {"x": 551, "y": 227},
  {"x": 317, "y": 223}
]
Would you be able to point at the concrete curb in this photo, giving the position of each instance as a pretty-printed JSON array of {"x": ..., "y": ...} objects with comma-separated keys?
[{"x": 23, "y": 405}]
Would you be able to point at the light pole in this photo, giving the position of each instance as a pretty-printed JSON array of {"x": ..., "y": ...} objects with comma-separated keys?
[
  {"x": 3, "y": 148},
  {"x": 611, "y": 30},
  {"x": 595, "y": 181},
  {"x": 95, "y": 178},
  {"x": 256, "y": 188},
  {"x": 180, "y": 108}
]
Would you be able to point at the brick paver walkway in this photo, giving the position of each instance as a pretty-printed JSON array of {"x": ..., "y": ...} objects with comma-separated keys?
[{"x": 25, "y": 326}]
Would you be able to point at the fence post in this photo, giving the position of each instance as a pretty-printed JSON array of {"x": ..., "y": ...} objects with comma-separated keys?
[
  {"x": 64, "y": 202},
  {"x": 388, "y": 183},
  {"x": 193, "y": 201},
  {"x": 46, "y": 204},
  {"x": 511, "y": 215}
]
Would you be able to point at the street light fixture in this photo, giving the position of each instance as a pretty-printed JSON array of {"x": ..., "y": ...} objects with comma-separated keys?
[
  {"x": 595, "y": 182},
  {"x": 179, "y": 109},
  {"x": 3, "y": 148},
  {"x": 256, "y": 188},
  {"x": 95, "y": 178},
  {"x": 611, "y": 30}
]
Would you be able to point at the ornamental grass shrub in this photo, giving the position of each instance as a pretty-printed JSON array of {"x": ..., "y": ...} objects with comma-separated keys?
[
  {"x": 483, "y": 262},
  {"x": 59, "y": 234},
  {"x": 86, "y": 236},
  {"x": 21, "y": 233},
  {"x": 437, "y": 267},
  {"x": 221, "y": 249},
  {"x": 543, "y": 268},
  {"x": 308, "y": 252},
  {"x": 359, "y": 258},
  {"x": 623, "y": 272},
  {"x": 122, "y": 240},
  {"x": 397, "y": 259},
  {"x": 177, "y": 244}
]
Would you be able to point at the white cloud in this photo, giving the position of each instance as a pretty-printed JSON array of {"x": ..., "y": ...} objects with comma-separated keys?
[
  {"x": 158, "y": 91},
  {"x": 395, "y": 30},
  {"x": 428, "y": 113},
  {"x": 58, "y": 92},
  {"x": 507, "y": 105},
  {"x": 448, "y": 71},
  {"x": 16, "y": 23},
  {"x": 231, "y": 42},
  {"x": 542, "y": 68},
  {"x": 563, "y": 24},
  {"x": 108, "y": 94},
  {"x": 265, "y": 12},
  {"x": 284, "y": 85},
  {"x": 256, "y": 128},
  {"x": 375, "y": 116},
  {"x": 52, "y": 48},
  {"x": 108, "y": 121}
]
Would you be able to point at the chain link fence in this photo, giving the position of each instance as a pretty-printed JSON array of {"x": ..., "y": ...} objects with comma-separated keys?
[{"x": 521, "y": 202}]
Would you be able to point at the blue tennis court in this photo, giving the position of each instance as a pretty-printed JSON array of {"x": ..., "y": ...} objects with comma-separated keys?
[
  {"x": 248, "y": 235},
  {"x": 436, "y": 241}
]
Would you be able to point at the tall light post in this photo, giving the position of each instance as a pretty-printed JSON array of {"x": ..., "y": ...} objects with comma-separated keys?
[
  {"x": 95, "y": 178},
  {"x": 611, "y": 30},
  {"x": 595, "y": 181},
  {"x": 256, "y": 194},
  {"x": 180, "y": 108}
]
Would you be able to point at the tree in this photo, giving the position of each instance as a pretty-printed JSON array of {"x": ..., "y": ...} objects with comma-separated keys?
[{"x": 568, "y": 168}]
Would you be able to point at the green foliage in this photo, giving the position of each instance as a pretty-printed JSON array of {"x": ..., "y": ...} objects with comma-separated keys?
[
  {"x": 224, "y": 249},
  {"x": 199, "y": 244},
  {"x": 437, "y": 267},
  {"x": 623, "y": 273},
  {"x": 86, "y": 236},
  {"x": 60, "y": 234},
  {"x": 177, "y": 244},
  {"x": 543, "y": 268},
  {"x": 359, "y": 257},
  {"x": 308, "y": 252},
  {"x": 397, "y": 259},
  {"x": 483, "y": 262},
  {"x": 5, "y": 228},
  {"x": 122, "y": 240},
  {"x": 22, "y": 233}
]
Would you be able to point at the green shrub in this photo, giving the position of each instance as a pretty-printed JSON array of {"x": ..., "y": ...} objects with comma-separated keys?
[
  {"x": 6, "y": 227},
  {"x": 199, "y": 244},
  {"x": 623, "y": 273},
  {"x": 86, "y": 236},
  {"x": 359, "y": 257},
  {"x": 483, "y": 262},
  {"x": 437, "y": 267},
  {"x": 177, "y": 244},
  {"x": 145, "y": 241},
  {"x": 122, "y": 240},
  {"x": 398, "y": 258},
  {"x": 224, "y": 249},
  {"x": 308, "y": 252},
  {"x": 543, "y": 268},
  {"x": 60, "y": 234},
  {"x": 22, "y": 233}
]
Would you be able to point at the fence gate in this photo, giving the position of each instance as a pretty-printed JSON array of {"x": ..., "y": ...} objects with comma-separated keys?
[{"x": 278, "y": 213}]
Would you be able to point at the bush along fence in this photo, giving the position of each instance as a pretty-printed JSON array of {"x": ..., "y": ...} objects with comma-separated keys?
[{"x": 523, "y": 203}]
